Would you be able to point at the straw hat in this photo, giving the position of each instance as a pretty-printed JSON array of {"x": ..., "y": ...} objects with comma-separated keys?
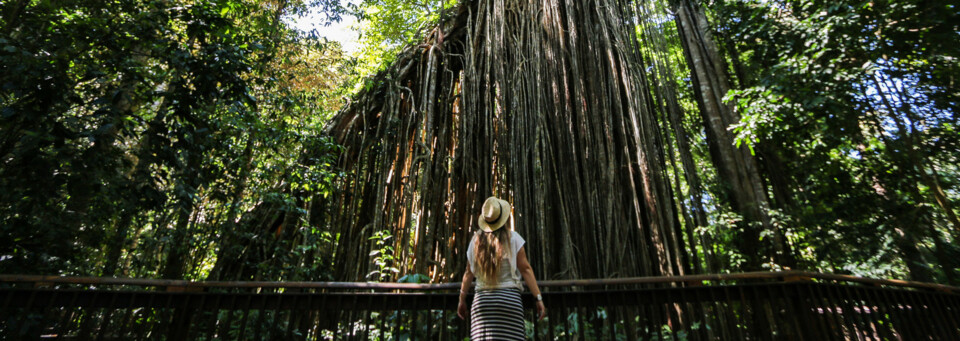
[{"x": 494, "y": 214}]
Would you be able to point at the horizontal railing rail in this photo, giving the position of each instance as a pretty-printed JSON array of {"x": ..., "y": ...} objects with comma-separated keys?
[
  {"x": 791, "y": 275},
  {"x": 787, "y": 305}
]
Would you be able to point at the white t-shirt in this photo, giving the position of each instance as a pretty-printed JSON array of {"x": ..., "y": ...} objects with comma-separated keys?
[{"x": 509, "y": 275}]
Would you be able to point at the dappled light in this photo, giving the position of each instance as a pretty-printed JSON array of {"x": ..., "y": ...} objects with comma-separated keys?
[{"x": 248, "y": 179}]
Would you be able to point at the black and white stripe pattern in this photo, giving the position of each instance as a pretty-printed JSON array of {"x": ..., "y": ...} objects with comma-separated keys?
[{"x": 496, "y": 315}]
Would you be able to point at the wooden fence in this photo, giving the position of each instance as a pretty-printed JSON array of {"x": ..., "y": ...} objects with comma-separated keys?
[{"x": 789, "y": 305}]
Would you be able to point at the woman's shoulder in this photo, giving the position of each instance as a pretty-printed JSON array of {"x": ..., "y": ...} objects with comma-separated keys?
[
  {"x": 515, "y": 236},
  {"x": 473, "y": 240}
]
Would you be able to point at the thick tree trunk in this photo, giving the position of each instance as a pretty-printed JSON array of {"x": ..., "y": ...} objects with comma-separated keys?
[
  {"x": 540, "y": 103},
  {"x": 737, "y": 167}
]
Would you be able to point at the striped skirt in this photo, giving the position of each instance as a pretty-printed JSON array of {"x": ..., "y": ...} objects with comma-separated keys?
[{"x": 496, "y": 315}]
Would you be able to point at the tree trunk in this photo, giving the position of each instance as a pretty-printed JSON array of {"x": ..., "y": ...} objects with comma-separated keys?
[
  {"x": 737, "y": 166},
  {"x": 228, "y": 242},
  {"x": 542, "y": 103},
  {"x": 176, "y": 256},
  {"x": 139, "y": 179},
  {"x": 188, "y": 183},
  {"x": 932, "y": 181},
  {"x": 905, "y": 153}
]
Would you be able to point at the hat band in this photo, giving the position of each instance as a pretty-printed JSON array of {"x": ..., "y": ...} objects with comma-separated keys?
[{"x": 499, "y": 213}]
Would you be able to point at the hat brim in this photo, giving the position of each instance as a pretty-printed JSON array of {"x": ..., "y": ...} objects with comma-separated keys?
[{"x": 505, "y": 210}]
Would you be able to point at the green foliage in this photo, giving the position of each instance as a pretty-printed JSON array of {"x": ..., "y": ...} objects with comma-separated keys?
[
  {"x": 183, "y": 139},
  {"x": 384, "y": 257},
  {"x": 387, "y": 26},
  {"x": 414, "y": 278},
  {"x": 135, "y": 132},
  {"x": 852, "y": 95}
]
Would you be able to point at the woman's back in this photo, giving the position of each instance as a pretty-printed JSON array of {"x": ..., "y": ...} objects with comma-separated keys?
[
  {"x": 497, "y": 256},
  {"x": 509, "y": 275}
]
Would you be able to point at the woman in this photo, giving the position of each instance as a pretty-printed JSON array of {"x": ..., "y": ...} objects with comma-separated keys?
[{"x": 497, "y": 257}]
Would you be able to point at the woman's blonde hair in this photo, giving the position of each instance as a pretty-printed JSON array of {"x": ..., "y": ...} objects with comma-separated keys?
[{"x": 490, "y": 252}]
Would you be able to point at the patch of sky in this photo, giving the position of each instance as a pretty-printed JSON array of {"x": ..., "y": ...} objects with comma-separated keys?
[
  {"x": 903, "y": 95},
  {"x": 346, "y": 31}
]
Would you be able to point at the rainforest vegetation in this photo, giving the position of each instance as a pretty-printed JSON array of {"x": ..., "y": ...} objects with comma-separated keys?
[{"x": 212, "y": 140}]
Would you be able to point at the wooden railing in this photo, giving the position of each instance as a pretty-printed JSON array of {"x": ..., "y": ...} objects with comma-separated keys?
[{"x": 789, "y": 305}]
